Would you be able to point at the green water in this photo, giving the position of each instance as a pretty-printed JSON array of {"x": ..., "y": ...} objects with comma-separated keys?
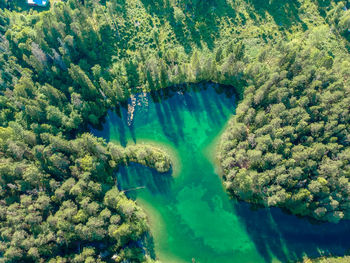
[{"x": 190, "y": 214}]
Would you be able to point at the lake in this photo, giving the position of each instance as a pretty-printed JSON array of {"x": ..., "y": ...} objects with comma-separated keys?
[{"x": 190, "y": 214}]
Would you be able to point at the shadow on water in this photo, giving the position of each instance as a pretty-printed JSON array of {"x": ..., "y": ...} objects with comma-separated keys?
[
  {"x": 277, "y": 234},
  {"x": 213, "y": 114},
  {"x": 132, "y": 133},
  {"x": 171, "y": 110},
  {"x": 131, "y": 178},
  {"x": 103, "y": 129},
  {"x": 166, "y": 124},
  {"x": 119, "y": 125},
  {"x": 171, "y": 101},
  {"x": 193, "y": 99}
]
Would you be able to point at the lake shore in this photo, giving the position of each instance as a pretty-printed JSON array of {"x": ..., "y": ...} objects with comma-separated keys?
[{"x": 212, "y": 152}]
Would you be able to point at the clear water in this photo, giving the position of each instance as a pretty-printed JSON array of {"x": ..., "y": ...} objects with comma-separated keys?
[{"x": 190, "y": 214}]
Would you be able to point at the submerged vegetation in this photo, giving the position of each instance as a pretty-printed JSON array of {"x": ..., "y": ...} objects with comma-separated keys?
[{"x": 63, "y": 68}]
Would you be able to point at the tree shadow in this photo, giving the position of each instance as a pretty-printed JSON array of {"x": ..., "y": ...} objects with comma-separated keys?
[
  {"x": 102, "y": 129},
  {"x": 212, "y": 110},
  {"x": 118, "y": 122},
  {"x": 115, "y": 123},
  {"x": 167, "y": 104},
  {"x": 322, "y": 7},
  {"x": 136, "y": 177},
  {"x": 166, "y": 123},
  {"x": 229, "y": 92},
  {"x": 132, "y": 132},
  {"x": 171, "y": 110},
  {"x": 284, "y": 13},
  {"x": 106, "y": 124},
  {"x": 199, "y": 20},
  {"x": 286, "y": 237}
]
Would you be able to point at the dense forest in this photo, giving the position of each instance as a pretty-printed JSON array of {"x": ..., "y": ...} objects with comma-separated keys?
[
  {"x": 288, "y": 144},
  {"x": 63, "y": 67}
]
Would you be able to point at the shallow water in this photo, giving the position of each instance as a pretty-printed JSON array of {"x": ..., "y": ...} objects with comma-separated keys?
[{"x": 190, "y": 214}]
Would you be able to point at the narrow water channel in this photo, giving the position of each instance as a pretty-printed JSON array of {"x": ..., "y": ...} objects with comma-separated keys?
[{"x": 190, "y": 214}]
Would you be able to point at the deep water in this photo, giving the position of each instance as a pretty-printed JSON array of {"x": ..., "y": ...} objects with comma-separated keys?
[{"x": 190, "y": 214}]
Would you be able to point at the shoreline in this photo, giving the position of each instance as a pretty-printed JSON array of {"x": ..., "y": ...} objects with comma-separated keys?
[
  {"x": 157, "y": 228},
  {"x": 211, "y": 152}
]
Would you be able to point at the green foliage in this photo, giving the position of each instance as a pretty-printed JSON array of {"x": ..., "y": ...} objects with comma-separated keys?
[
  {"x": 62, "y": 69},
  {"x": 288, "y": 144}
]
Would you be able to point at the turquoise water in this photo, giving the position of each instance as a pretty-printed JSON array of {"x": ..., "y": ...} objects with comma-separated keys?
[{"x": 190, "y": 214}]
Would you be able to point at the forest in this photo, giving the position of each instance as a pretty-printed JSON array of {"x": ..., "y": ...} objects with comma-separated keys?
[{"x": 63, "y": 67}]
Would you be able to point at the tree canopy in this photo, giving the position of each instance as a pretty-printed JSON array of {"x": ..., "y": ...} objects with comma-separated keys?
[{"x": 63, "y": 67}]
